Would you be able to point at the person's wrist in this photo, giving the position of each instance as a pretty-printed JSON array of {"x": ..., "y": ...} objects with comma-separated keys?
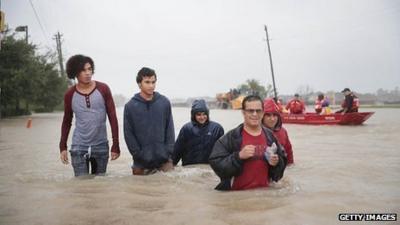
[{"x": 240, "y": 155}]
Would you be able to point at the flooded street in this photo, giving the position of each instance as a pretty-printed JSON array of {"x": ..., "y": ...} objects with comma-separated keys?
[{"x": 338, "y": 169}]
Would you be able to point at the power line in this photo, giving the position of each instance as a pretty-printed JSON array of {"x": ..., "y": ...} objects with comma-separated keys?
[{"x": 40, "y": 24}]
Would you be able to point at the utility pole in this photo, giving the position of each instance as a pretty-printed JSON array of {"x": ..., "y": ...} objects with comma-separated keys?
[
  {"x": 270, "y": 62},
  {"x": 2, "y": 24},
  {"x": 59, "y": 51}
]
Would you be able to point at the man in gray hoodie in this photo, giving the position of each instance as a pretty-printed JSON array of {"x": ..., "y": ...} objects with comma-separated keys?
[{"x": 149, "y": 127}]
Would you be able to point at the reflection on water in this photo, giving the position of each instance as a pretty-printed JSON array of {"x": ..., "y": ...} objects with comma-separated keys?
[{"x": 338, "y": 169}]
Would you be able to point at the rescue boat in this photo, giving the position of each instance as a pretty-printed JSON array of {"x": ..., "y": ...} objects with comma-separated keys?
[{"x": 356, "y": 118}]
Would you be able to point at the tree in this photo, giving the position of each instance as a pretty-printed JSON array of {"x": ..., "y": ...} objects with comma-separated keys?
[
  {"x": 15, "y": 56},
  {"x": 51, "y": 86},
  {"x": 252, "y": 86},
  {"x": 27, "y": 79}
]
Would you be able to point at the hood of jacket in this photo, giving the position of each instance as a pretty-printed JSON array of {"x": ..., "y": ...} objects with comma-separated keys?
[
  {"x": 138, "y": 97},
  {"x": 199, "y": 105},
  {"x": 271, "y": 107}
]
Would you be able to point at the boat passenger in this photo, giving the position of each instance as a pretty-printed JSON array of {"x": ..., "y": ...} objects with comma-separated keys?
[
  {"x": 296, "y": 106},
  {"x": 280, "y": 105},
  {"x": 350, "y": 103},
  {"x": 322, "y": 105}
]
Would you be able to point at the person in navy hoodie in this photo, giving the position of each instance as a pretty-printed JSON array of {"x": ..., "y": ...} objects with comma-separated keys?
[
  {"x": 149, "y": 127},
  {"x": 197, "y": 137}
]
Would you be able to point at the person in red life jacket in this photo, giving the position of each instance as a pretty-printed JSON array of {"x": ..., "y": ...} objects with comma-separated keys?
[
  {"x": 350, "y": 103},
  {"x": 272, "y": 120},
  {"x": 320, "y": 104},
  {"x": 296, "y": 106},
  {"x": 280, "y": 106},
  {"x": 249, "y": 156}
]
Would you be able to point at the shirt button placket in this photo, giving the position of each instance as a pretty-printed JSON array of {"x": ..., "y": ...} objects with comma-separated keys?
[{"x": 87, "y": 101}]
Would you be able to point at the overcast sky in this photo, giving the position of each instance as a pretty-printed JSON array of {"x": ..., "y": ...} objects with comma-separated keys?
[{"x": 202, "y": 47}]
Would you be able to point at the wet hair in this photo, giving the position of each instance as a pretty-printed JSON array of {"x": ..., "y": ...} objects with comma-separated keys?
[
  {"x": 76, "y": 64},
  {"x": 145, "y": 72},
  {"x": 252, "y": 98}
]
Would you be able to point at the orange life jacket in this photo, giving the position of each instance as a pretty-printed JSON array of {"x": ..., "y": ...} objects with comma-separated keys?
[
  {"x": 296, "y": 106},
  {"x": 356, "y": 103}
]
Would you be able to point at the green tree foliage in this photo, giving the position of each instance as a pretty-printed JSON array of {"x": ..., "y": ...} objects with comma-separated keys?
[
  {"x": 28, "y": 81},
  {"x": 252, "y": 86}
]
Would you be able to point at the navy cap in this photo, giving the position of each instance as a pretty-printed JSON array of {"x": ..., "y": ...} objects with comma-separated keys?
[{"x": 346, "y": 89}]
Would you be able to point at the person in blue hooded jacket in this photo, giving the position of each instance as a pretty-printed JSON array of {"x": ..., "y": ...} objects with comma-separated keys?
[
  {"x": 149, "y": 127},
  {"x": 197, "y": 137}
]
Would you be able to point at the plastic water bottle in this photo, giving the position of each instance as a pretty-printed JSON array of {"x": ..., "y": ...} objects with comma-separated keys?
[{"x": 270, "y": 150}]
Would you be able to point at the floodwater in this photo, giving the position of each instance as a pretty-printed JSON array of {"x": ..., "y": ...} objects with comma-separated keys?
[{"x": 338, "y": 169}]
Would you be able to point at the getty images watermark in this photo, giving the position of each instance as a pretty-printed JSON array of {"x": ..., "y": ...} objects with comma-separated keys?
[{"x": 367, "y": 217}]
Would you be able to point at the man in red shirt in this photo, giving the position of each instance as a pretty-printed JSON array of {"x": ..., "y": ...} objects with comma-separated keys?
[{"x": 248, "y": 156}]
